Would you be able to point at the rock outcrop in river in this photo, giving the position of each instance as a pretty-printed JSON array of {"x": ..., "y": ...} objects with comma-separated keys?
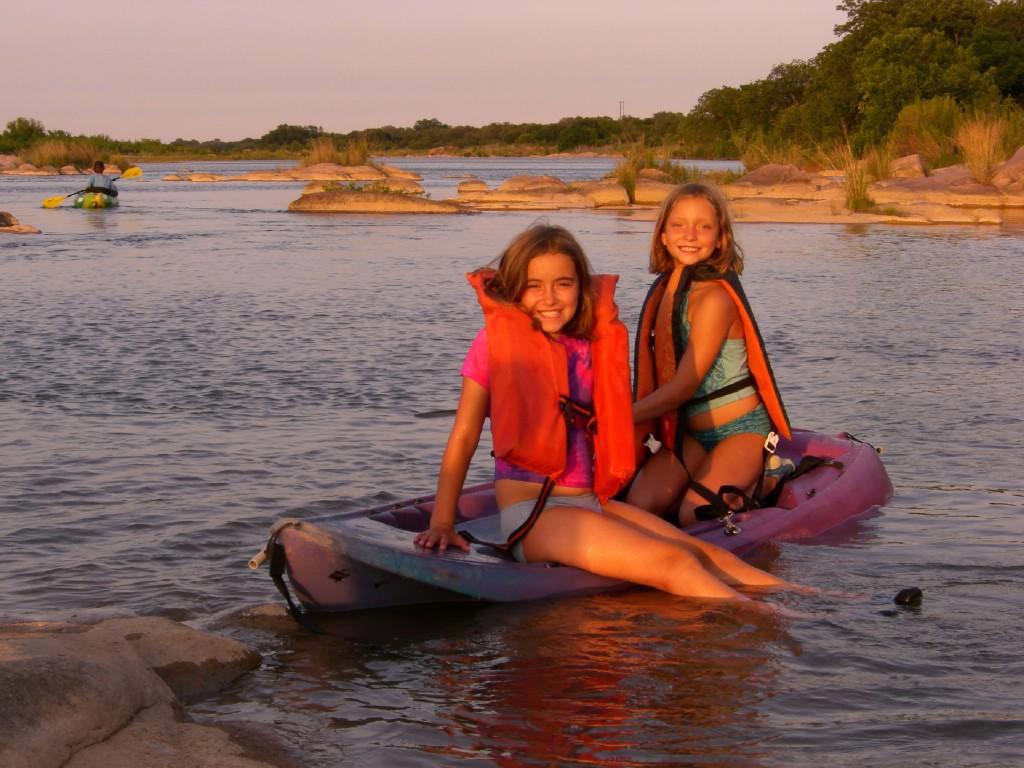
[
  {"x": 355, "y": 201},
  {"x": 11, "y": 225},
  {"x": 111, "y": 695}
]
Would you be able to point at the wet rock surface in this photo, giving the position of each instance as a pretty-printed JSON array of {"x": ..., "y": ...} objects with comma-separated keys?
[{"x": 112, "y": 694}]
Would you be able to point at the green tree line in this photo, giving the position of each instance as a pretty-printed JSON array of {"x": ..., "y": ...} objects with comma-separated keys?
[{"x": 889, "y": 55}]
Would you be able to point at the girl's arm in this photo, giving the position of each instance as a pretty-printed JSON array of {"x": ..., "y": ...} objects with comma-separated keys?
[
  {"x": 458, "y": 453},
  {"x": 713, "y": 316}
]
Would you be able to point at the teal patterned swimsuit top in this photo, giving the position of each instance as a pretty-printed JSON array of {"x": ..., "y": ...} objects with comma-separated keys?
[{"x": 730, "y": 366}]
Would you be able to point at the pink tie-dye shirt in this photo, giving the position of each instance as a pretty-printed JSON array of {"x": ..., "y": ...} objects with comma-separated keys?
[{"x": 579, "y": 463}]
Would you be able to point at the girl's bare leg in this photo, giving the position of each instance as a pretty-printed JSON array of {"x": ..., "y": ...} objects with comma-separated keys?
[
  {"x": 724, "y": 564},
  {"x": 612, "y": 546},
  {"x": 662, "y": 479},
  {"x": 737, "y": 460}
]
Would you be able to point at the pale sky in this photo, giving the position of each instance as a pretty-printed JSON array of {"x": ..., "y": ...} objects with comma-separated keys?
[{"x": 228, "y": 69}]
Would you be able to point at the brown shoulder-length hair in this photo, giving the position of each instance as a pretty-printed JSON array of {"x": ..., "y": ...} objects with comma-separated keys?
[
  {"x": 728, "y": 256},
  {"x": 510, "y": 276}
]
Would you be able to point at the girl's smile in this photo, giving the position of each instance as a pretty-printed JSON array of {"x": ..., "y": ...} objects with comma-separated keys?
[
  {"x": 552, "y": 291},
  {"x": 691, "y": 233}
]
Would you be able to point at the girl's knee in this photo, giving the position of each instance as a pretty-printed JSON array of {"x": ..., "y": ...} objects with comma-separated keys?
[{"x": 674, "y": 567}]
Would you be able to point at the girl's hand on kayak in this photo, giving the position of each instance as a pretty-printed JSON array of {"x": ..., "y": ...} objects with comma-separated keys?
[{"x": 441, "y": 537}]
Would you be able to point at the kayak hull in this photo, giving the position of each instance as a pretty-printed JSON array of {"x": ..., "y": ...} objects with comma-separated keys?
[
  {"x": 367, "y": 559},
  {"x": 95, "y": 200}
]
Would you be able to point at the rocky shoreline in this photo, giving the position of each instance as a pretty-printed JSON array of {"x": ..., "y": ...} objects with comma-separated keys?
[
  {"x": 771, "y": 193},
  {"x": 114, "y": 694}
]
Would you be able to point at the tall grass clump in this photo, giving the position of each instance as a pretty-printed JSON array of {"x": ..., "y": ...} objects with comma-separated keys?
[
  {"x": 878, "y": 160},
  {"x": 927, "y": 128},
  {"x": 60, "y": 152},
  {"x": 856, "y": 179},
  {"x": 356, "y": 152},
  {"x": 756, "y": 151},
  {"x": 321, "y": 150},
  {"x": 634, "y": 158},
  {"x": 981, "y": 141},
  {"x": 1014, "y": 138}
]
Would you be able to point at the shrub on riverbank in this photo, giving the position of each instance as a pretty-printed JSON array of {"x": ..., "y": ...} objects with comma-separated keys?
[
  {"x": 58, "y": 152},
  {"x": 927, "y": 128}
]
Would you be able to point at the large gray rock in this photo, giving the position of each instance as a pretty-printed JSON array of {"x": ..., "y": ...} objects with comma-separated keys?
[
  {"x": 64, "y": 692},
  {"x": 156, "y": 739},
  {"x": 69, "y": 693},
  {"x": 194, "y": 664}
]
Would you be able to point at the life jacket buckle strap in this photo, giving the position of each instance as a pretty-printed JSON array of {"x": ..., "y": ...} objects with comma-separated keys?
[
  {"x": 576, "y": 414},
  {"x": 771, "y": 442}
]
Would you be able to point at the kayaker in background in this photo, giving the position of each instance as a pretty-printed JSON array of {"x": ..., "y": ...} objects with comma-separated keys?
[
  {"x": 99, "y": 181},
  {"x": 551, "y": 369},
  {"x": 704, "y": 387}
]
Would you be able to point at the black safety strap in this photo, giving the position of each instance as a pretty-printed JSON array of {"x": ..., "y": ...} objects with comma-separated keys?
[
  {"x": 728, "y": 389},
  {"x": 278, "y": 563},
  {"x": 576, "y": 414}
]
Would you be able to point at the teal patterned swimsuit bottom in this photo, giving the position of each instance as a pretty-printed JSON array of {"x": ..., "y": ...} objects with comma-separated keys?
[{"x": 756, "y": 422}]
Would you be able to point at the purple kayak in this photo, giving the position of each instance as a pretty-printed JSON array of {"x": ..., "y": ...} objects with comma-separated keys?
[{"x": 367, "y": 559}]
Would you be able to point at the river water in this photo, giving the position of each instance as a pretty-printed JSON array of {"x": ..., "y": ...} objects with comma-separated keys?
[{"x": 180, "y": 372}]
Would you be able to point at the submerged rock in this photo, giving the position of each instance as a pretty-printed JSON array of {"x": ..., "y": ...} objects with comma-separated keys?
[
  {"x": 11, "y": 225},
  {"x": 533, "y": 184},
  {"x": 473, "y": 185},
  {"x": 397, "y": 173},
  {"x": 351, "y": 201},
  {"x": 498, "y": 200}
]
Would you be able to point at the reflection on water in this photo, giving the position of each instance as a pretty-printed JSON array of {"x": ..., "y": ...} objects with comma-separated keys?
[
  {"x": 608, "y": 680},
  {"x": 177, "y": 373}
]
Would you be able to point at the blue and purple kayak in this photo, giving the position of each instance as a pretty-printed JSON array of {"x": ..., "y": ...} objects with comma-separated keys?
[{"x": 347, "y": 561}]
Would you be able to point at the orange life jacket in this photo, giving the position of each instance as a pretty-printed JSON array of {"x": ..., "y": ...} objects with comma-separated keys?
[
  {"x": 529, "y": 380},
  {"x": 648, "y": 376}
]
